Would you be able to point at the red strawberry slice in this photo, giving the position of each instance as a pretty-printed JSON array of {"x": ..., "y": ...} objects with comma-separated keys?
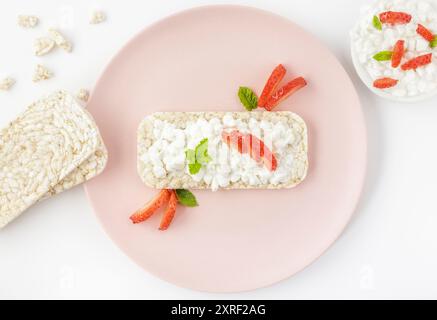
[
  {"x": 247, "y": 143},
  {"x": 170, "y": 212},
  {"x": 269, "y": 160},
  {"x": 392, "y": 17},
  {"x": 271, "y": 85},
  {"x": 385, "y": 83},
  {"x": 259, "y": 152},
  {"x": 425, "y": 33},
  {"x": 231, "y": 139},
  {"x": 285, "y": 92},
  {"x": 417, "y": 62},
  {"x": 235, "y": 139},
  {"x": 238, "y": 140},
  {"x": 398, "y": 53},
  {"x": 150, "y": 208},
  {"x": 256, "y": 147}
]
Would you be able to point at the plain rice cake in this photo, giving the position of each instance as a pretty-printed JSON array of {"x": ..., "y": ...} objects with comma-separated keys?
[
  {"x": 39, "y": 149},
  {"x": 90, "y": 168}
]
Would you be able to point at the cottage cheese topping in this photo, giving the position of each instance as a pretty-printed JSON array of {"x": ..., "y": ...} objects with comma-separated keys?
[
  {"x": 166, "y": 155},
  {"x": 367, "y": 41}
]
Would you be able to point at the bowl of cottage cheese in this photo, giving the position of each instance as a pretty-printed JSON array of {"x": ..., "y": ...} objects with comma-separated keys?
[{"x": 394, "y": 49}]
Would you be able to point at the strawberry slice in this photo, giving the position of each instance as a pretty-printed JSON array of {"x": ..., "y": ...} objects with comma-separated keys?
[
  {"x": 256, "y": 147},
  {"x": 417, "y": 62},
  {"x": 398, "y": 53},
  {"x": 385, "y": 83},
  {"x": 235, "y": 139},
  {"x": 150, "y": 208},
  {"x": 271, "y": 85},
  {"x": 425, "y": 33},
  {"x": 269, "y": 160},
  {"x": 259, "y": 152},
  {"x": 392, "y": 17},
  {"x": 285, "y": 92},
  {"x": 170, "y": 212},
  {"x": 247, "y": 143}
]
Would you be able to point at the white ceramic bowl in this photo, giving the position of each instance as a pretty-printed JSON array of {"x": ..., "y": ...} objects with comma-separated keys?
[{"x": 361, "y": 69}]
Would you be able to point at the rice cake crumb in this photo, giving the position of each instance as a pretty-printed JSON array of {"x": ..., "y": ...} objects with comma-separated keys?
[
  {"x": 83, "y": 95},
  {"x": 41, "y": 73},
  {"x": 26, "y": 21},
  {"x": 43, "y": 45},
  {"x": 60, "y": 40},
  {"x": 6, "y": 84},
  {"x": 97, "y": 17}
]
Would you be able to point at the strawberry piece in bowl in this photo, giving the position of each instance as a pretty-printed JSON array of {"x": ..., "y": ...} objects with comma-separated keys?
[
  {"x": 417, "y": 62},
  {"x": 425, "y": 33},
  {"x": 272, "y": 83},
  {"x": 385, "y": 83},
  {"x": 392, "y": 17},
  {"x": 285, "y": 92},
  {"x": 151, "y": 207},
  {"x": 398, "y": 53}
]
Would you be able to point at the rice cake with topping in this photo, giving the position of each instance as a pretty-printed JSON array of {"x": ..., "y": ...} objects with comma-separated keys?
[{"x": 164, "y": 137}]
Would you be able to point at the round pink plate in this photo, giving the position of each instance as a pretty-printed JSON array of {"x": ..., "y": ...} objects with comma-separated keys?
[{"x": 235, "y": 240}]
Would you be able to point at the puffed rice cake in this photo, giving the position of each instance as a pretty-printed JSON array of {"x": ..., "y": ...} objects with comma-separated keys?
[
  {"x": 146, "y": 138},
  {"x": 52, "y": 146}
]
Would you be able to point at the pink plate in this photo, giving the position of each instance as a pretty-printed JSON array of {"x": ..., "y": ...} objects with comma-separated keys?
[{"x": 235, "y": 240}]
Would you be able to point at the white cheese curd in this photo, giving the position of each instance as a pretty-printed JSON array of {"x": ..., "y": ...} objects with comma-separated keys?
[
  {"x": 366, "y": 41},
  {"x": 227, "y": 165}
]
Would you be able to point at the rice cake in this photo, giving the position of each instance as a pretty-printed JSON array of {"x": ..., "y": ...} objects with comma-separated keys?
[
  {"x": 40, "y": 149},
  {"x": 164, "y": 138}
]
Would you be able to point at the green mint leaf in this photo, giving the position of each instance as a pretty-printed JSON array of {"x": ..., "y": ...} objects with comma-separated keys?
[
  {"x": 202, "y": 152},
  {"x": 186, "y": 198},
  {"x": 198, "y": 157},
  {"x": 194, "y": 168},
  {"x": 377, "y": 23},
  {"x": 190, "y": 155},
  {"x": 248, "y": 98},
  {"x": 383, "y": 56},
  {"x": 433, "y": 43}
]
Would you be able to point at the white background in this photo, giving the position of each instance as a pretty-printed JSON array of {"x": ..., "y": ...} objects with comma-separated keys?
[{"x": 58, "y": 250}]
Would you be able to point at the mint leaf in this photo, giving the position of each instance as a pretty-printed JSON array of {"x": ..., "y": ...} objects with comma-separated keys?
[
  {"x": 190, "y": 155},
  {"x": 383, "y": 56},
  {"x": 377, "y": 23},
  {"x": 194, "y": 167},
  {"x": 248, "y": 98},
  {"x": 202, "y": 152},
  {"x": 198, "y": 156},
  {"x": 433, "y": 43},
  {"x": 186, "y": 198}
]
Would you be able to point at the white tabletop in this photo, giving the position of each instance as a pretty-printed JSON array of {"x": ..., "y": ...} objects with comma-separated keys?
[{"x": 57, "y": 249}]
